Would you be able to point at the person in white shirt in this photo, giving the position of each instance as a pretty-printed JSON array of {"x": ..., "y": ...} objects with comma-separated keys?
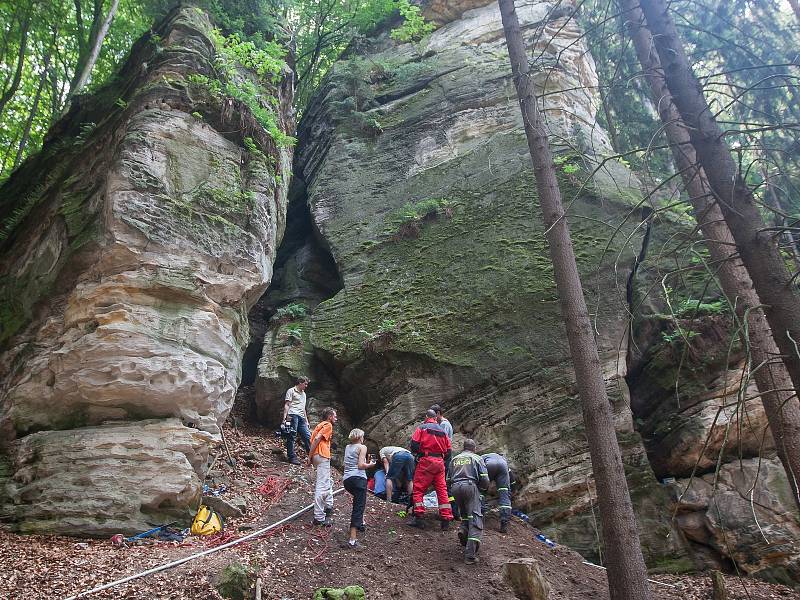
[
  {"x": 294, "y": 412},
  {"x": 442, "y": 420},
  {"x": 398, "y": 464}
]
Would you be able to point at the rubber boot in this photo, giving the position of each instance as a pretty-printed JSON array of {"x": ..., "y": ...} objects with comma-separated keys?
[
  {"x": 504, "y": 527},
  {"x": 417, "y": 522},
  {"x": 462, "y": 536}
]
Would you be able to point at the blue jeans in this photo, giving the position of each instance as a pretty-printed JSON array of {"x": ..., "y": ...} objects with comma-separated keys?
[
  {"x": 299, "y": 427},
  {"x": 401, "y": 469}
]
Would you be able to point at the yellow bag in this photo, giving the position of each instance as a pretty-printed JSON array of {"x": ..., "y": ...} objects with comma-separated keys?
[{"x": 206, "y": 521}]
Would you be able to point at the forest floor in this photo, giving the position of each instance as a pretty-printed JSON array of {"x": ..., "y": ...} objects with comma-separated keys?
[{"x": 398, "y": 562}]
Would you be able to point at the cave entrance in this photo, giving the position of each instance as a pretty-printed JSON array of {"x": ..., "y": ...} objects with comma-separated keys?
[{"x": 280, "y": 349}]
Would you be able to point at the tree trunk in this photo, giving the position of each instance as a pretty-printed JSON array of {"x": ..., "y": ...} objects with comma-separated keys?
[
  {"x": 627, "y": 576},
  {"x": 771, "y": 377},
  {"x": 758, "y": 250},
  {"x": 796, "y": 9},
  {"x": 23, "y": 42},
  {"x": 32, "y": 114},
  {"x": 98, "y": 36}
]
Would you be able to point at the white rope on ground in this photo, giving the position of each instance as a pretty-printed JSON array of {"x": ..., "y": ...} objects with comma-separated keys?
[
  {"x": 586, "y": 562},
  {"x": 186, "y": 559}
]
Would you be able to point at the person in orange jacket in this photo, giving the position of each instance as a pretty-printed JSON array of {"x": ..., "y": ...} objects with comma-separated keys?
[
  {"x": 319, "y": 455},
  {"x": 431, "y": 446}
]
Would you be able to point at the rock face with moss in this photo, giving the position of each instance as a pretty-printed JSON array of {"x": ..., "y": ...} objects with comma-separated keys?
[
  {"x": 128, "y": 267},
  {"x": 695, "y": 408},
  {"x": 419, "y": 182},
  {"x": 414, "y": 166}
]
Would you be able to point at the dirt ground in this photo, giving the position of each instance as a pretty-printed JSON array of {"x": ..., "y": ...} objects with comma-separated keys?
[{"x": 398, "y": 562}]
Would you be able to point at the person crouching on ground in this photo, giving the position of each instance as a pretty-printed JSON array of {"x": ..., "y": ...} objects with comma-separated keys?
[
  {"x": 398, "y": 464},
  {"x": 468, "y": 477},
  {"x": 431, "y": 445},
  {"x": 497, "y": 467},
  {"x": 355, "y": 481},
  {"x": 320, "y": 456}
]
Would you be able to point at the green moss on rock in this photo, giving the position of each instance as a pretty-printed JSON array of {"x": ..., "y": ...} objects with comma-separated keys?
[{"x": 465, "y": 289}]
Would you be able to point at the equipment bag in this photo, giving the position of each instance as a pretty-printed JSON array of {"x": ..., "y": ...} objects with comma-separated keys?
[{"x": 206, "y": 522}]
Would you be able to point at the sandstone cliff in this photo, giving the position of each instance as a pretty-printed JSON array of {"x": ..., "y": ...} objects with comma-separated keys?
[
  {"x": 133, "y": 246},
  {"x": 413, "y": 174},
  {"x": 414, "y": 166},
  {"x": 413, "y": 270}
]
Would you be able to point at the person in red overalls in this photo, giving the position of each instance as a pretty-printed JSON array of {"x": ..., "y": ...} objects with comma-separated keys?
[{"x": 431, "y": 446}]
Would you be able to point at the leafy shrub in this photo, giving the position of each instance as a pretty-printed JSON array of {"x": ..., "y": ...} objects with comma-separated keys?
[
  {"x": 290, "y": 312},
  {"x": 414, "y": 25},
  {"x": 381, "y": 339},
  {"x": 409, "y": 219},
  {"x": 678, "y": 334},
  {"x": 691, "y": 308},
  {"x": 266, "y": 60},
  {"x": 294, "y": 332}
]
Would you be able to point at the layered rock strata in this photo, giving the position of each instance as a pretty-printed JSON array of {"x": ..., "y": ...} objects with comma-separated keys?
[
  {"x": 419, "y": 182},
  {"x": 127, "y": 275},
  {"x": 706, "y": 434}
]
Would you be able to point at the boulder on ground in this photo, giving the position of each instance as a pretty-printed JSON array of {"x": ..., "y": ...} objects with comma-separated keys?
[
  {"x": 227, "y": 508},
  {"x": 526, "y": 579},
  {"x": 235, "y": 581}
]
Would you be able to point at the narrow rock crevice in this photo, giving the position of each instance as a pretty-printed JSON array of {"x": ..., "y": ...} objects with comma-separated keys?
[{"x": 280, "y": 349}]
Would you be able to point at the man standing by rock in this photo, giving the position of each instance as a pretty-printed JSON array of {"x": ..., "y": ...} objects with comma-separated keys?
[
  {"x": 442, "y": 420},
  {"x": 294, "y": 411},
  {"x": 497, "y": 467},
  {"x": 468, "y": 477},
  {"x": 320, "y": 456},
  {"x": 431, "y": 446}
]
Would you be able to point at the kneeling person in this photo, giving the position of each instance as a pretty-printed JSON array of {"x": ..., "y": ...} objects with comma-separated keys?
[
  {"x": 398, "y": 464},
  {"x": 468, "y": 477}
]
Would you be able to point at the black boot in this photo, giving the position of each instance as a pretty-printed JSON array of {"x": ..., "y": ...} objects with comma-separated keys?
[
  {"x": 503, "y": 527},
  {"x": 462, "y": 537},
  {"x": 417, "y": 522},
  {"x": 445, "y": 525}
]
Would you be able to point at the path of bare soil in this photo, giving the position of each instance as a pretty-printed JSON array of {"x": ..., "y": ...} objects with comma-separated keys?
[{"x": 398, "y": 562}]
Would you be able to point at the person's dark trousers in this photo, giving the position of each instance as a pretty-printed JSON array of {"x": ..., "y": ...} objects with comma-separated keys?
[
  {"x": 357, "y": 487},
  {"x": 453, "y": 503},
  {"x": 299, "y": 427},
  {"x": 468, "y": 499}
]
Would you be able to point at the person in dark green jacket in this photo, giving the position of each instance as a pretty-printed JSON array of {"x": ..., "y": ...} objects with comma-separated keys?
[{"x": 468, "y": 477}]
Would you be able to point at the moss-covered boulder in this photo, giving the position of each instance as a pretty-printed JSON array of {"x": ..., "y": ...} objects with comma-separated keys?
[
  {"x": 351, "y": 592},
  {"x": 235, "y": 581}
]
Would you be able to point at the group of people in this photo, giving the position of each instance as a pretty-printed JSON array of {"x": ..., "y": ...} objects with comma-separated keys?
[{"x": 428, "y": 462}]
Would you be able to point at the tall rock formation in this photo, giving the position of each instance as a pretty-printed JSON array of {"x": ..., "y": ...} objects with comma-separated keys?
[
  {"x": 413, "y": 174},
  {"x": 133, "y": 246},
  {"x": 419, "y": 185}
]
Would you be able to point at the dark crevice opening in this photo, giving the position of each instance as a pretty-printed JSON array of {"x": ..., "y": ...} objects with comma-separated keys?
[{"x": 304, "y": 273}]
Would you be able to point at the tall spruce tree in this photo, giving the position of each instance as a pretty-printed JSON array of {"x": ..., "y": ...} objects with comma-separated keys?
[
  {"x": 627, "y": 574},
  {"x": 770, "y": 374},
  {"x": 756, "y": 245}
]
